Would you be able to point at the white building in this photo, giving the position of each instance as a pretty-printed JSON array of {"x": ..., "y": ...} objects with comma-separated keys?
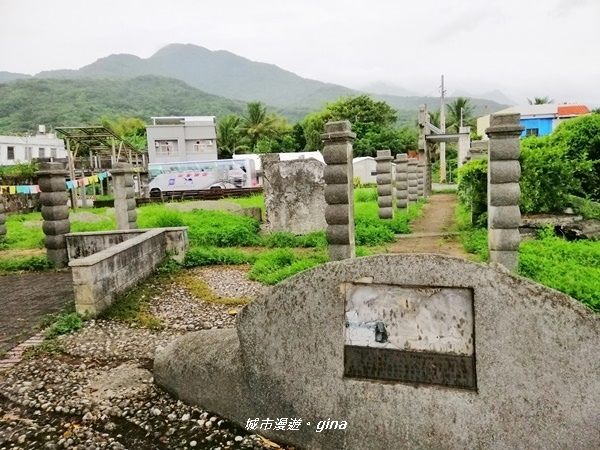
[
  {"x": 182, "y": 138},
  {"x": 23, "y": 149},
  {"x": 365, "y": 168}
]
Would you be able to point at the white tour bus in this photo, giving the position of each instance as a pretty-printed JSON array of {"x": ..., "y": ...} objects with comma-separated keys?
[{"x": 198, "y": 175}]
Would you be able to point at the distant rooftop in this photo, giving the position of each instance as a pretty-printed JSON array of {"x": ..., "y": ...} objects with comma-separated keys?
[
  {"x": 185, "y": 120},
  {"x": 572, "y": 110}
]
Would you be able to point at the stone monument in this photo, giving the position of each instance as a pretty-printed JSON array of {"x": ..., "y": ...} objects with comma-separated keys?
[
  {"x": 339, "y": 189},
  {"x": 504, "y": 171},
  {"x": 413, "y": 192},
  {"x": 55, "y": 212},
  {"x": 385, "y": 190},
  {"x": 402, "y": 181},
  {"x": 122, "y": 174}
]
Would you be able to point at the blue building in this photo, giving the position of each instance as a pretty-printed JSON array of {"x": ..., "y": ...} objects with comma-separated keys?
[{"x": 538, "y": 120}]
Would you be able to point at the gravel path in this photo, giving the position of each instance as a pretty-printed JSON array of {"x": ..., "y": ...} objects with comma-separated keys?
[{"x": 99, "y": 393}]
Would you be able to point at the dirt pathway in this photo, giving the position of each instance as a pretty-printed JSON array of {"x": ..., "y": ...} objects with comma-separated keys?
[{"x": 433, "y": 232}]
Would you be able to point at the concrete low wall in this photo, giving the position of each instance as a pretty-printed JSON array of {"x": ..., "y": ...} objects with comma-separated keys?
[
  {"x": 82, "y": 245},
  {"x": 102, "y": 276}
]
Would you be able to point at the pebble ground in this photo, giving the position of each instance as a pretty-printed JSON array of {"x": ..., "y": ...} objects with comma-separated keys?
[{"x": 99, "y": 392}]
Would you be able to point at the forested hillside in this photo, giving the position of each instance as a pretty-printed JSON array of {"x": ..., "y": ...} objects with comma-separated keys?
[{"x": 62, "y": 102}]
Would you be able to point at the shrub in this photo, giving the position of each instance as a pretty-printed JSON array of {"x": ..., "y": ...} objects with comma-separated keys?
[
  {"x": 208, "y": 256},
  {"x": 472, "y": 187},
  {"x": 546, "y": 176}
]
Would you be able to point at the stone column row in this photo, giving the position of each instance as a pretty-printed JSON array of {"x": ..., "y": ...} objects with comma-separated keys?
[
  {"x": 504, "y": 171},
  {"x": 385, "y": 197},
  {"x": 2, "y": 219},
  {"x": 402, "y": 181},
  {"x": 339, "y": 189},
  {"x": 55, "y": 211},
  {"x": 413, "y": 189},
  {"x": 125, "y": 212}
]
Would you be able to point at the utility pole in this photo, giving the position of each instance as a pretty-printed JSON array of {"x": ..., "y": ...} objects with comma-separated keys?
[{"x": 443, "y": 128}]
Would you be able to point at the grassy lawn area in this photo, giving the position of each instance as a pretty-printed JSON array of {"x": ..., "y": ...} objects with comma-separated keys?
[
  {"x": 569, "y": 267},
  {"x": 219, "y": 237}
]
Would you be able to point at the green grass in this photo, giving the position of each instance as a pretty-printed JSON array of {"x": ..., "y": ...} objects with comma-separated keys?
[
  {"x": 569, "y": 267},
  {"x": 25, "y": 264},
  {"x": 370, "y": 230},
  {"x": 210, "y": 256},
  {"x": 288, "y": 240},
  {"x": 275, "y": 266},
  {"x": 257, "y": 200},
  {"x": 473, "y": 239}
]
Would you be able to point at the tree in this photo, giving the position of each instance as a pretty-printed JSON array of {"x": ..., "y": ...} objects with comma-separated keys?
[
  {"x": 230, "y": 139},
  {"x": 257, "y": 125},
  {"x": 460, "y": 111},
  {"x": 372, "y": 121},
  {"x": 131, "y": 129},
  {"x": 540, "y": 101}
]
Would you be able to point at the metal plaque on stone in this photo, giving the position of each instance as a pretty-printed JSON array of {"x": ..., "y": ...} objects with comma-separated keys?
[{"x": 410, "y": 334}]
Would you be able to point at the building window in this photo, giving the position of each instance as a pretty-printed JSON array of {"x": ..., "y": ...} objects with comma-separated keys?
[
  {"x": 10, "y": 153},
  {"x": 165, "y": 148},
  {"x": 28, "y": 153},
  {"x": 203, "y": 146},
  {"x": 53, "y": 152},
  {"x": 41, "y": 152},
  {"x": 532, "y": 132}
]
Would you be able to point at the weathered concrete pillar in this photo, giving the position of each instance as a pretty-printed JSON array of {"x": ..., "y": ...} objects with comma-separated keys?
[
  {"x": 421, "y": 176},
  {"x": 413, "y": 193},
  {"x": 55, "y": 212},
  {"x": 504, "y": 171},
  {"x": 122, "y": 175},
  {"x": 385, "y": 198},
  {"x": 2, "y": 218},
  {"x": 402, "y": 181},
  {"x": 339, "y": 189},
  {"x": 464, "y": 144}
]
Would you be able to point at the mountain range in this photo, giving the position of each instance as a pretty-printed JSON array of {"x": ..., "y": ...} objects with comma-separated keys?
[{"x": 213, "y": 73}]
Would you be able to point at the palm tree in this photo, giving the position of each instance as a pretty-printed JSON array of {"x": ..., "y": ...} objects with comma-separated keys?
[
  {"x": 540, "y": 101},
  {"x": 460, "y": 113},
  {"x": 230, "y": 138},
  {"x": 256, "y": 124}
]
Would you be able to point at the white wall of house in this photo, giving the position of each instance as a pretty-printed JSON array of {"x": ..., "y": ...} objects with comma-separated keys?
[
  {"x": 185, "y": 138},
  {"x": 23, "y": 149},
  {"x": 365, "y": 168}
]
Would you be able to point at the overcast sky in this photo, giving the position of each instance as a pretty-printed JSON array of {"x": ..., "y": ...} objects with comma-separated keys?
[{"x": 524, "y": 48}]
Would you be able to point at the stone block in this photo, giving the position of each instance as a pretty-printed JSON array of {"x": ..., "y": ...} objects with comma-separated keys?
[
  {"x": 340, "y": 252},
  {"x": 336, "y": 194},
  {"x": 401, "y": 185},
  {"x": 402, "y": 203},
  {"x": 2, "y": 230},
  {"x": 52, "y": 184},
  {"x": 386, "y": 213},
  {"x": 509, "y": 259},
  {"x": 384, "y": 190},
  {"x": 58, "y": 257},
  {"x": 336, "y": 174},
  {"x": 338, "y": 235},
  {"x": 340, "y": 153},
  {"x": 253, "y": 211},
  {"x": 53, "y": 198},
  {"x": 505, "y": 149},
  {"x": 56, "y": 227},
  {"x": 55, "y": 242},
  {"x": 385, "y": 201},
  {"x": 55, "y": 212},
  {"x": 504, "y": 216},
  {"x": 337, "y": 214},
  {"x": 132, "y": 216},
  {"x": 504, "y": 172},
  {"x": 506, "y": 194},
  {"x": 504, "y": 239},
  {"x": 384, "y": 178}
]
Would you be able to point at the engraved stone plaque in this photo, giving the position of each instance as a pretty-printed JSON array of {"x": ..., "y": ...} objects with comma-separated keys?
[{"x": 410, "y": 334}]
